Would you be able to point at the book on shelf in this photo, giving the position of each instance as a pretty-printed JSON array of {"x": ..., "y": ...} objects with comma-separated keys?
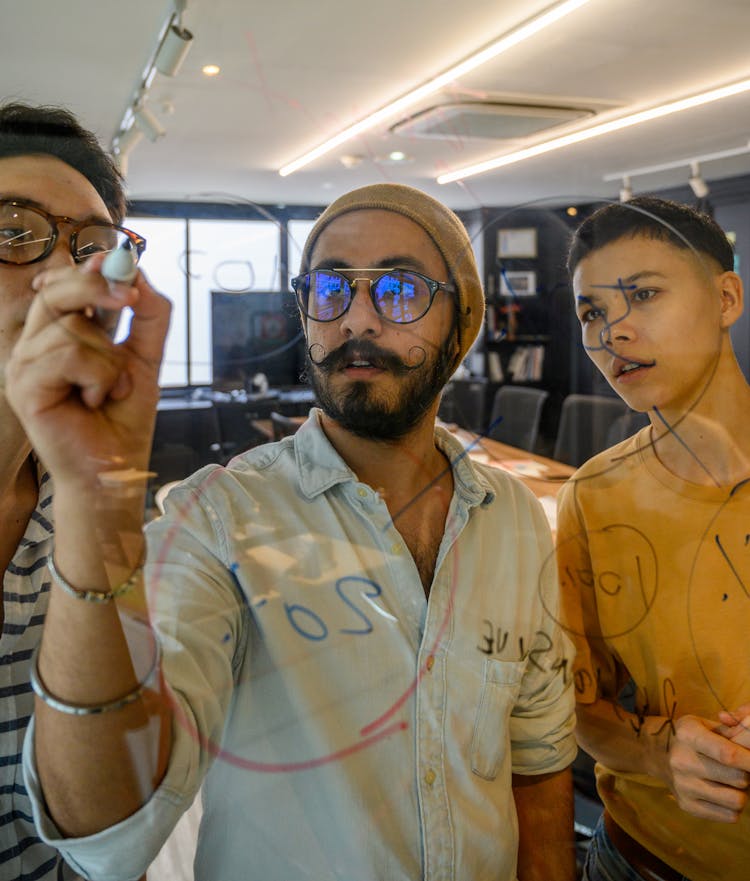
[
  {"x": 494, "y": 367},
  {"x": 526, "y": 364}
]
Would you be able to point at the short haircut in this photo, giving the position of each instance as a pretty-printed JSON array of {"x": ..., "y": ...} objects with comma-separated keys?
[
  {"x": 53, "y": 131},
  {"x": 653, "y": 218}
]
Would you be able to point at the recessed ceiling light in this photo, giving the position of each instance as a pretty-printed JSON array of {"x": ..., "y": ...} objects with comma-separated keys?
[
  {"x": 395, "y": 157},
  {"x": 572, "y": 211},
  {"x": 351, "y": 160},
  {"x": 211, "y": 69}
]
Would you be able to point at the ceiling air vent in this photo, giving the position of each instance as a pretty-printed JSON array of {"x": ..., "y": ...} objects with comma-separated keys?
[{"x": 488, "y": 120}]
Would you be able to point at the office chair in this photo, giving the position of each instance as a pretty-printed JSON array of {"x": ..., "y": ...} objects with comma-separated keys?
[
  {"x": 447, "y": 408},
  {"x": 463, "y": 403},
  {"x": 585, "y": 423},
  {"x": 283, "y": 426},
  {"x": 626, "y": 425},
  {"x": 185, "y": 439},
  {"x": 235, "y": 420},
  {"x": 515, "y": 416}
]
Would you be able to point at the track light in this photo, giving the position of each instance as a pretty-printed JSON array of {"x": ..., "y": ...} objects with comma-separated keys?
[
  {"x": 697, "y": 184},
  {"x": 128, "y": 139},
  {"x": 626, "y": 191},
  {"x": 172, "y": 46},
  {"x": 124, "y": 144},
  {"x": 148, "y": 123},
  {"x": 173, "y": 50}
]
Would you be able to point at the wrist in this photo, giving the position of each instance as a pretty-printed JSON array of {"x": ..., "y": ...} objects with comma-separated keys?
[
  {"x": 99, "y": 539},
  {"x": 659, "y": 734}
]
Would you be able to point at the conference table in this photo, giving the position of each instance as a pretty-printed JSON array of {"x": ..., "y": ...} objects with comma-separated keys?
[{"x": 543, "y": 476}]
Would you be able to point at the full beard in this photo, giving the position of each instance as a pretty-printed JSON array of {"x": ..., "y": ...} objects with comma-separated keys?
[{"x": 366, "y": 411}]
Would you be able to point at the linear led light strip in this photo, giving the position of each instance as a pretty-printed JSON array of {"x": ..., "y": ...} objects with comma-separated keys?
[
  {"x": 596, "y": 131},
  {"x": 516, "y": 36}
]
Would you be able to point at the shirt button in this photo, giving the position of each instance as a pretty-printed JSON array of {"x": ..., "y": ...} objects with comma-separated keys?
[
  {"x": 395, "y": 548},
  {"x": 362, "y": 492},
  {"x": 430, "y": 662},
  {"x": 429, "y": 777}
]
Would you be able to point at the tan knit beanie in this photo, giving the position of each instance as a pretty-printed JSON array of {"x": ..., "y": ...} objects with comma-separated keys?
[{"x": 440, "y": 224}]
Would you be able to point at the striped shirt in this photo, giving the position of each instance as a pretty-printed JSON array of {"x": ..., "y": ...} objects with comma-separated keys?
[{"x": 26, "y": 586}]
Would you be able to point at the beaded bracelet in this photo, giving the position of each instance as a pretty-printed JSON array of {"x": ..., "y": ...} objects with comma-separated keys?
[
  {"x": 96, "y": 596},
  {"x": 82, "y": 710}
]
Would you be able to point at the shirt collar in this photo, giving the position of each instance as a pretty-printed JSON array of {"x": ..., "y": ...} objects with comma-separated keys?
[
  {"x": 469, "y": 482},
  {"x": 319, "y": 466}
]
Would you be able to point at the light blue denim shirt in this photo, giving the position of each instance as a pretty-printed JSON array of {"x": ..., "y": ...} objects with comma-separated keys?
[{"x": 347, "y": 727}]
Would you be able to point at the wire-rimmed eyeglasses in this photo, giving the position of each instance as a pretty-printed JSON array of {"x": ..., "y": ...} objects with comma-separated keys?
[{"x": 398, "y": 295}]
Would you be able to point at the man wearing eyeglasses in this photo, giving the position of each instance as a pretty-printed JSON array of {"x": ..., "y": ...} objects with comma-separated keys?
[
  {"x": 324, "y": 607},
  {"x": 61, "y": 201}
]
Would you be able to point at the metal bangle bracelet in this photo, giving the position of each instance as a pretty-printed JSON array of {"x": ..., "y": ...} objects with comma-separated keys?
[
  {"x": 95, "y": 596},
  {"x": 82, "y": 710}
]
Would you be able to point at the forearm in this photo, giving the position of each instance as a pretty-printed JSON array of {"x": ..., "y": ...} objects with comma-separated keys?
[
  {"x": 97, "y": 769},
  {"x": 625, "y": 741},
  {"x": 546, "y": 845},
  {"x": 14, "y": 451},
  {"x": 87, "y": 405}
]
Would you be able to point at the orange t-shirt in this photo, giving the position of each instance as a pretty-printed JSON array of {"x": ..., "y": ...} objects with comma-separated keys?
[{"x": 655, "y": 586}]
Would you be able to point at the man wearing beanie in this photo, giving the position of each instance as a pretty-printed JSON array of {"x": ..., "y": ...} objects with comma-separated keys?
[{"x": 334, "y": 611}]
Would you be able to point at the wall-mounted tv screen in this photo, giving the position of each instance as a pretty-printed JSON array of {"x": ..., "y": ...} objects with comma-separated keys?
[{"x": 255, "y": 332}]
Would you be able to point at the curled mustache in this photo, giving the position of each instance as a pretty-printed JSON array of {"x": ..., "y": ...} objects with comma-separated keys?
[{"x": 365, "y": 350}]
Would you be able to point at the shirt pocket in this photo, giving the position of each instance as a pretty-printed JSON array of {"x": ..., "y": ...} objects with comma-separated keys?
[{"x": 500, "y": 687}]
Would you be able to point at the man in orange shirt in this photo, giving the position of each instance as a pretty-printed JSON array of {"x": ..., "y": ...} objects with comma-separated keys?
[{"x": 653, "y": 551}]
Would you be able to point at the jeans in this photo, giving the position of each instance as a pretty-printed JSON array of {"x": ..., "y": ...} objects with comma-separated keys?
[{"x": 604, "y": 862}]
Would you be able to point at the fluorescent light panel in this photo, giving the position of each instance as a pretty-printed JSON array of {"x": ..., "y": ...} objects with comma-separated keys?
[
  {"x": 596, "y": 131},
  {"x": 516, "y": 36}
]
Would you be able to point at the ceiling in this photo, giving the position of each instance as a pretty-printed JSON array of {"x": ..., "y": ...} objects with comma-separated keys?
[{"x": 294, "y": 72}]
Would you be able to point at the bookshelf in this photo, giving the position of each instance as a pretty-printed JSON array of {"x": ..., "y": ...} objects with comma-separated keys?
[{"x": 516, "y": 340}]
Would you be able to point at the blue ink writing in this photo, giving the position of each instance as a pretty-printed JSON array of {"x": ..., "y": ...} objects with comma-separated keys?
[{"x": 310, "y": 625}]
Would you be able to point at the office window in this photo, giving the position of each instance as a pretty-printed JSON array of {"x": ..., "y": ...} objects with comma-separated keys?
[
  {"x": 298, "y": 231},
  {"x": 185, "y": 261},
  {"x": 236, "y": 256},
  {"x": 163, "y": 262}
]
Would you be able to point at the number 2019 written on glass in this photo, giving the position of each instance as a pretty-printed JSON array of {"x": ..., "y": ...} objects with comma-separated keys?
[{"x": 310, "y": 625}]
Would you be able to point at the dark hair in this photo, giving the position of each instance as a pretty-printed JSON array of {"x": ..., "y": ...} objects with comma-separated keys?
[
  {"x": 54, "y": 131},
  {"x": 654, "y": 218}
]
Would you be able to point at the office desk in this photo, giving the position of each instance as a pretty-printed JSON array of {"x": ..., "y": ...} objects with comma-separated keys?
[
  {"x": 165, "y": 405},
  {"x": 543, "y": 476},
  {"x": 264, "y": 427},
  {"x": 186, "y": 437}
]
